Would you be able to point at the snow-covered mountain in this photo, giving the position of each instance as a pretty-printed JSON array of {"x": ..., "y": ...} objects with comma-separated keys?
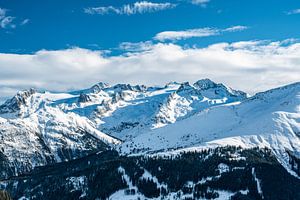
[
  {"x": 34, "y": 132},
  {"x": 264, "y": 120},
  {"x": 42, "y": 128},
  {"x": 38, "y": 128},
  {"x": 269, "y": 119}
]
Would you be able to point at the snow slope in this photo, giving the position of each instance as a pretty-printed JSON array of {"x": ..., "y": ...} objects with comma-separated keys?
[
  {"x": 268, "y": 119},
  {"x": 34, "y": 133},
  {"x": 154, "y": 107}
]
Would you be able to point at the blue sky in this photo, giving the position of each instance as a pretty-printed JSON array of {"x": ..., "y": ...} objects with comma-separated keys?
[
  {"x": 56, "y": 24},
  {"x": 71, "y": 44}
]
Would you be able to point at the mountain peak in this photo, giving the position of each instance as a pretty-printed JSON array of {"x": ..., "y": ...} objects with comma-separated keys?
[
  {"x": 84, "y": 98},
  {"x": 187, "y": 88},
  {"x": 172, "y": 83},
  {"x": 278, "y": 92},
  {"x": 99, "y": 86},
  {"x": 14, "y": 104},
  {"x": 204, "y": 84},
  {"x": 137, "y": 88}
]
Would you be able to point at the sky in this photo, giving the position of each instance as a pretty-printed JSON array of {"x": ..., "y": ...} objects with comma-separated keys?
[{"x": 72, "y": 44}]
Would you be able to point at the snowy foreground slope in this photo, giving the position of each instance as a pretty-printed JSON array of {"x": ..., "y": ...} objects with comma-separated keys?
[{"x": 136, "y": 139}]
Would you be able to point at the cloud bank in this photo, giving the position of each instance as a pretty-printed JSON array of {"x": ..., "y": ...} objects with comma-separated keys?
[
  {"x": 130, "y": 9},
  {"x": 248, "y": 65}
]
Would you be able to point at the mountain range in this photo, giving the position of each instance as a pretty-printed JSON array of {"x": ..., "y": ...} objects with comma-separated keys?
[{"x": 129, "y": 142}]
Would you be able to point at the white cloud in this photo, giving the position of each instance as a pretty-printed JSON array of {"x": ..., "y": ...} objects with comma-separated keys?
[
  {"x": 2, "y": 13},
  {"x": 179, "y": 35},
  {"x": 236, "y": 28},
  {"x": 131, "y": 9},
  {"x": 135, "y": 47},
  {"x": 24, "y": 22},
  {"x": 251, "y": 66},
  {"x": 102, "y": 10},
  {"x": 189, "y": 33},
  {"x": 200, "y": 2},
  {"x": 292, "y": 12},
  {"x": 6, "y": 21}
]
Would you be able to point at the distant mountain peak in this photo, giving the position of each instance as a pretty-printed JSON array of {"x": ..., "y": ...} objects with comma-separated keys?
[
  {"x": 136, "y": 88},
  {"x": 14, "y": 104},
  {"x": 172, "y": 83},
  {"x": 189, "y": 89},
  {"x": 84, "y": 98},
  {"x": 99, "y": 86},
  {"x": 204, "y": 84},
  {"x": 279, "y": 91}
]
